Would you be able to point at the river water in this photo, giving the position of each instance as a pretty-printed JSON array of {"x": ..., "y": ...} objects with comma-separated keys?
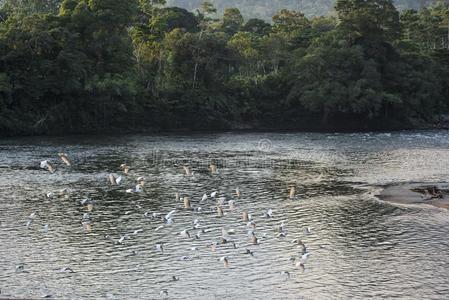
[{"x": 360, "y": 247}]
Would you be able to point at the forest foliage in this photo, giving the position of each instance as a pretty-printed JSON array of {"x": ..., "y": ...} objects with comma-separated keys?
[
  {"x": 265, "y": 9},
  {"x": 105, "y": 65}
]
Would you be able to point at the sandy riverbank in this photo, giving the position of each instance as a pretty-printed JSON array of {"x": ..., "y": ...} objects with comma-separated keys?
[{"x": 436, "y": 194}]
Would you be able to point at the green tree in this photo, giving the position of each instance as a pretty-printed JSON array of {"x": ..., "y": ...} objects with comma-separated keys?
[
  {"x": 232, "y": 21},
  {"x": 257, "y": 26},
  {"x": 373, "y": 19}
]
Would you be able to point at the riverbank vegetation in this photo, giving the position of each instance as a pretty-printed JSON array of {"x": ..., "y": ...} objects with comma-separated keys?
[{"x": 104, "y": 65}]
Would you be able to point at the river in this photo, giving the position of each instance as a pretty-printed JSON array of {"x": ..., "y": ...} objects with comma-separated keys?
[{"x": 360, "y": 247}]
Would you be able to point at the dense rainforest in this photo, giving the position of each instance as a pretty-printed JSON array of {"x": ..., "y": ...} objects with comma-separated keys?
[
  {"x": 265, "y": 9},
  {"x": 110, "y": 65}
]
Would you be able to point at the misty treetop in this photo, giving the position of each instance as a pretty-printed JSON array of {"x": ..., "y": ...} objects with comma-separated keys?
[{"x": 101, "y": 65}]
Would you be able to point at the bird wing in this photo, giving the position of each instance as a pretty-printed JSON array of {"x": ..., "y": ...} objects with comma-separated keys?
[
  {"x": 168, "y": 216},
  {"x": 65, "y": 159}
]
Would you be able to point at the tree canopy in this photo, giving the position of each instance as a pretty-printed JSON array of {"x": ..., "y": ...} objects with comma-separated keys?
[{"x": 102, "y": 65}]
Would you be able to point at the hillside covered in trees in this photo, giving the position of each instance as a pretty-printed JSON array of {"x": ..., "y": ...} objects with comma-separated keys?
[
  {"x": 262, "y": 9},
  {"x": 102, "y": 65},
  {"x": 265, "y": 9}
]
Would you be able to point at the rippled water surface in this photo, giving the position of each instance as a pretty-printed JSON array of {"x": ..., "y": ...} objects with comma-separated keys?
[{"x": 359, "y": 247}]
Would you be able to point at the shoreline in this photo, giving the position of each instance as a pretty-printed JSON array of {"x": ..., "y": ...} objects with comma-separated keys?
[
  {"x": 417, "y": 194},
  {"x": 186, "y": 131}
]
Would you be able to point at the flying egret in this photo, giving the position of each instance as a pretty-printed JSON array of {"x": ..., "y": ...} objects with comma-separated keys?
[
  {"x": 204, "y": 198},
  {"x": 45, "y": 164},
  {"x": 225, "y": 261},
  {"x": 237, "y": 192},
  {"x": 65, "y": 159}
]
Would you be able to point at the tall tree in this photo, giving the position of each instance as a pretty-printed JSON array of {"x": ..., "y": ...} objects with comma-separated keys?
[
  {"x": 232, "y": 20},
  {"x": 374, "y": 19}
]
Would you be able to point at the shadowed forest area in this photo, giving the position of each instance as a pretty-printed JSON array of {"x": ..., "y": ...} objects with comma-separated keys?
[{"x": 81, "y": 66}]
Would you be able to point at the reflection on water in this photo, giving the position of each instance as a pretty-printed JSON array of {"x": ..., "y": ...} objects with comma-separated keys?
[{"x": 359, "y": 247}]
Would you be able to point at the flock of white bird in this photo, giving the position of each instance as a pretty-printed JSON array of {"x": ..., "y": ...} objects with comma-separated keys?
[{"x": 219, "y": 201}]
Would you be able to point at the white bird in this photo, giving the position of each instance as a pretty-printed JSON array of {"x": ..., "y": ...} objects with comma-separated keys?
[
  {"x": 46, "y": 228},
  {"x": 225, "y": 261},
  {"x": 303, "y": 260},
  {"x": 292, "y": 192},
  {"x": 169, "y": 215},
  {"x": 137, "y": 231},
  {"x": 281, "y": 235},
  {"x": 29, "y": 223},
  {"x": 138, "y": 189},
  {"x": 196, "y": 224},
  {"x": 308, "y": 230},
  {"x": 122, "y": 239},
  {"x": 65, "y": 159},
  {"x": 20, "y": 268},
  {"x": 31, "y": 218},
  {"x": 237, "y": 192},
  {"x": 224, "y": 234},
  {"x": 153, "y": 215},
  {"x": 269, "y": 213},
  {"x": 118, "y": 180},
  {"x": 281, "y": 227},
  {"x": 159, "y": 247},
  {"x": 213, "y": 194},
  {"x": 185, "y": 233},
  {"x": 66, "y": 270},
  {"x": 286, "y": 274},
  {"x": 231, "y": 231},
  {"x": 186, "y": 170},
  {"x": 204, "y": 197},
  {"x": 199, "y": 233},
  {"x": 141, "y": 180},
  {"x": 45, "y": 164},
  {"x": 163, "y": 293},
  {"x": 305, "y": 257}
]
